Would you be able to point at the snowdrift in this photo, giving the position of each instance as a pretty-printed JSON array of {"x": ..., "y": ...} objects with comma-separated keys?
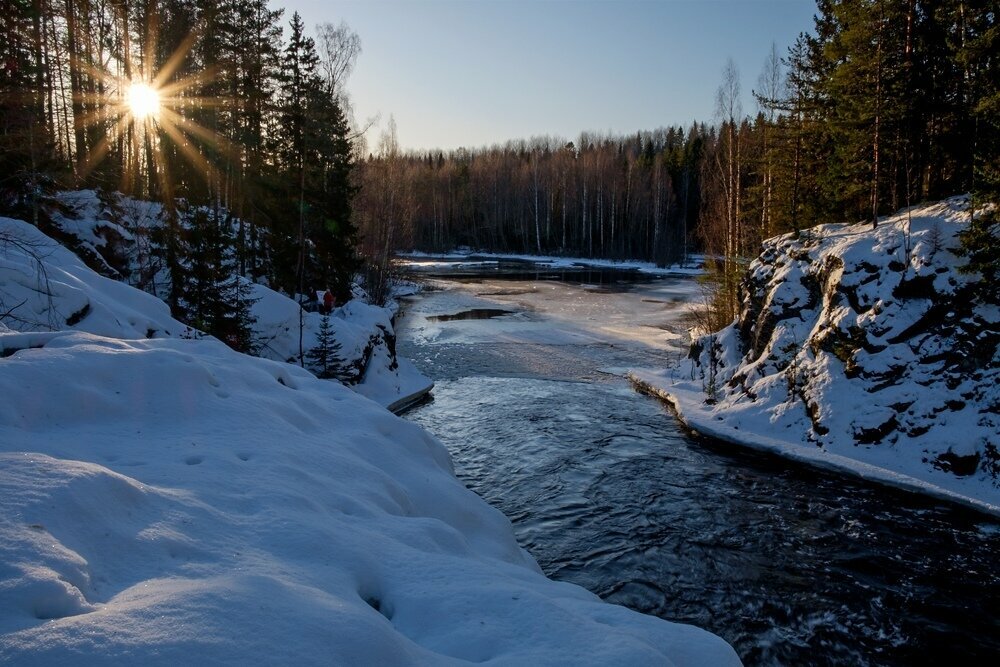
[
  {"x": 163, "y": 501},
  {"x": 44, "y": 286},
  {"x": 862, "y": 350}
]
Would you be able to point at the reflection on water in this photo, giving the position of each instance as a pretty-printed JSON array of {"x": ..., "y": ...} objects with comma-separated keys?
[
  {"x": 789, "y": 565},
  {"x": 471, "y": 314}
]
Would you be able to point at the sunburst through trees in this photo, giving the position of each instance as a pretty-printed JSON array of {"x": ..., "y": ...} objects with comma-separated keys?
[
  {"x": 141, "y": 121},
  {"x": 198, "y": 105},
  {"x": 143, "y": 100}
]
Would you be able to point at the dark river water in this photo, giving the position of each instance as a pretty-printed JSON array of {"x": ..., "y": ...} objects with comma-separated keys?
[{"x": 791, "y": 566}]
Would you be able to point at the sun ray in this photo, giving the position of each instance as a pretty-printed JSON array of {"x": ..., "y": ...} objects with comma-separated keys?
[
  {"x": 98, "y": 116},
  {"x": 189, "y": 126},
  {"x": 97, "y": 154},
  {"x": 175, "y": 60},
  {"x": 187, "y": 82},
  {"x": 142, "y": 109},
  {"x": 184, "y": 146}
]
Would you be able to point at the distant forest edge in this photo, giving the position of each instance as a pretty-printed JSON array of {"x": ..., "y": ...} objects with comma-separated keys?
[{"x": 886, "y": 103}]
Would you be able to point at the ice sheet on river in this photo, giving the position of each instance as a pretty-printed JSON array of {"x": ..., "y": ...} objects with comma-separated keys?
[{"x": 555, "y": 313}]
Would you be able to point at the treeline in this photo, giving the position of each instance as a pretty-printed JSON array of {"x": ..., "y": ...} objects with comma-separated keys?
[
  {"x": 249, "y": 148},
  {"x": 600, "y": 196},
  {"x": 885, "y": 104}
]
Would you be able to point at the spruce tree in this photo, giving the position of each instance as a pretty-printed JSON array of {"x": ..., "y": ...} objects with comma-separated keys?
[
  {"x": 214, "y": 298},
  {"x": 331, "y": 227},
  {"x": 318, "y": 236},
  {"x": 325, "y": 359}
]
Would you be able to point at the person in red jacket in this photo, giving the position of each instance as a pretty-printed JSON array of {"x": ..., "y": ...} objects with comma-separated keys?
[{"x": 328, "y": 301}]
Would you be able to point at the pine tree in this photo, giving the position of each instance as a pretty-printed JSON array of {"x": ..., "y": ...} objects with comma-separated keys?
[
  {"x": 258, "y": 50},
  {"x": 25, "y": 143},
  {"x": 978, "y": 58}
]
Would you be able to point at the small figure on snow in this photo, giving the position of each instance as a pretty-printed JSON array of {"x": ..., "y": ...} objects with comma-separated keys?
[{"x": 329, "y": 301}]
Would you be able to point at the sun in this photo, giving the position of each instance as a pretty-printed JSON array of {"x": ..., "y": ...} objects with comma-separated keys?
[
  {"x": 140, "y": 117},
  {"x": 143, "y": 100}
]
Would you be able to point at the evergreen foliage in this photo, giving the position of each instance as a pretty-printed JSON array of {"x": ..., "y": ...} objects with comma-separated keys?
[
  {"x": 214, "y": 298},
  {"x": 325, "y": 359},
  {"x": 250, "y": 154}
]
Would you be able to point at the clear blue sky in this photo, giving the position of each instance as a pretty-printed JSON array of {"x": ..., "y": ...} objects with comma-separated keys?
[{"x": 476, "y": 72}]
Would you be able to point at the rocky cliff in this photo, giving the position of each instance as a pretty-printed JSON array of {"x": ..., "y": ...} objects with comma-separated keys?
[{"x": 866, "y": 344}]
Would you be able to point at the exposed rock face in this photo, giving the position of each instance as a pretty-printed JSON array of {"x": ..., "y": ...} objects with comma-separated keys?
[{"x": 851, "y": 337}]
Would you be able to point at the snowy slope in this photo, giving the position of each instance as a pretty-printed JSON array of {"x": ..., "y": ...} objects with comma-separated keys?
[
  {"x": 113, "y": 234},
  {"x": 170, "y": 500},
  {"x": 859, "y": 349},
  {"x": 44, "y": 286},
  {"x": 366, "y": 337}
]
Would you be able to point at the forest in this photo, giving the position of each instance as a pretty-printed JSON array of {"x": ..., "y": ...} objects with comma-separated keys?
[
  {"x": 226, "y": 113},
  {"x": 885, "y": 104}
]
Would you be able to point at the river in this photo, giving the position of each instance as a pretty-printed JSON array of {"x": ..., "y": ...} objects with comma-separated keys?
[{"x": 790, "y": 565}]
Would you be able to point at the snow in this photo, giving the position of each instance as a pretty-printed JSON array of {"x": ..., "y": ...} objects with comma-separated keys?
[
  {"x": 167, "y": 500},
  {"x": 844, "y": 357},
  {"x": 363, "y": 332},
  {"x": 421, "y": 261},
  {"x": 45, "y": 286}
]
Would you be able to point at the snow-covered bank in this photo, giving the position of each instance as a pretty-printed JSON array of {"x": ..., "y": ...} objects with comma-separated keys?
[
  {"x": 113, "y": 234},
  {"x": 420, "y": 261},
  {"x": 366, "y": 338},
  {"x": 862, "y": 350},
  {"x": 166, "y": 500}
]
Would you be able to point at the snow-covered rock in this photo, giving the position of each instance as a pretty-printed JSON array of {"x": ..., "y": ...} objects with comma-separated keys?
[
  {"x": 861, "y": 349},
  {"x": 44, "y": 286}
]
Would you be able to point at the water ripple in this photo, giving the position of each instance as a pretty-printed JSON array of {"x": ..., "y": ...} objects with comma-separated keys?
[{"x": 790, "y": 565}]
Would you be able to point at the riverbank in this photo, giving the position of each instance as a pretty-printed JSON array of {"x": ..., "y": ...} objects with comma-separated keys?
[{"x": 688, "y": 405}]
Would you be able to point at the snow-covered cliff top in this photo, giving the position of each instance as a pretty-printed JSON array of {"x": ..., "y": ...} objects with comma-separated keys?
[{"x": 862, "y": 349}]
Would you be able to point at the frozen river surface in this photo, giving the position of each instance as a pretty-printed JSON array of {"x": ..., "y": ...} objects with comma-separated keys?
[{"x": 789, "y": 565}]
